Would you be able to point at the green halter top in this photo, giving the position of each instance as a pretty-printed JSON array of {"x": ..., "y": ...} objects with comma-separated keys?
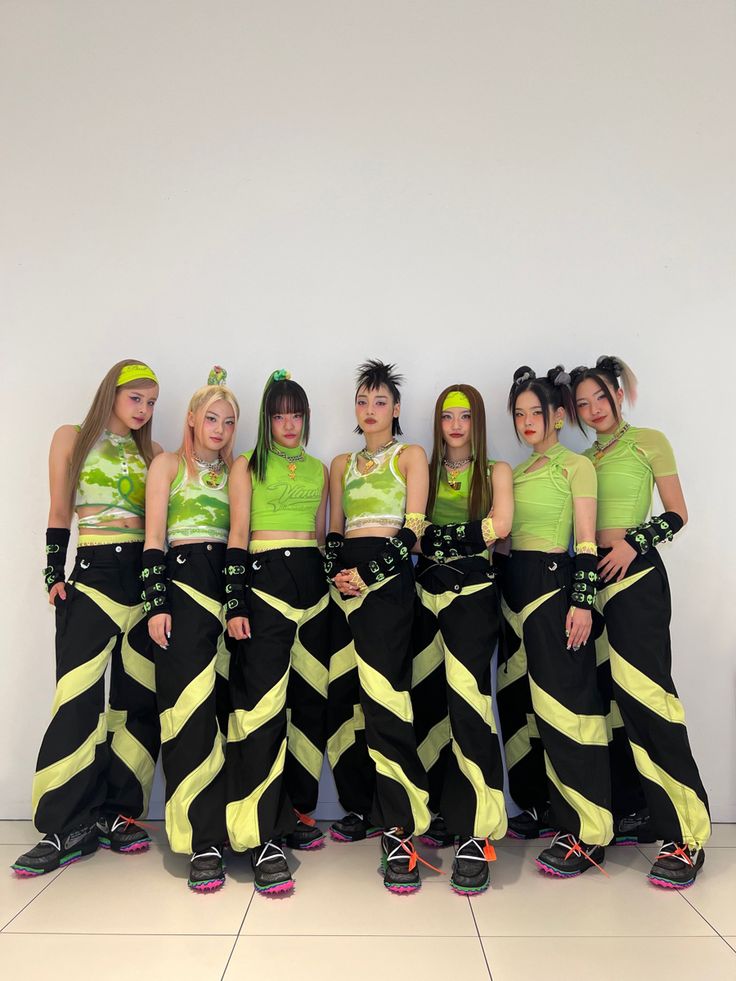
[
  {"x": 113, "y": 477},
  {"x": 288, "y": 498},
  {"x": 543, "y": 499},
  {"x": 626, "y": 475}
]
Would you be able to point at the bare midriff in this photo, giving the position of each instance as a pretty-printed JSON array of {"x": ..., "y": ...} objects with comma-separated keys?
[
  {"x": 113, "y": 527},
  {"x": 273, "y": 536},
  {"x": 373, "y": 531}
]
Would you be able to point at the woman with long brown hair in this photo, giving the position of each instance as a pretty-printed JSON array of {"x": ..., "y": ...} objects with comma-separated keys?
[
  {"x": 470, "y": 505},
  {"x": 95, "y": 767}
]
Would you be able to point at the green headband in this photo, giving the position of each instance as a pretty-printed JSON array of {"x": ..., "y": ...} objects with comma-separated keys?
[
  {"x": 455, "y": 400},
  {"x": 132, "y": 372}
]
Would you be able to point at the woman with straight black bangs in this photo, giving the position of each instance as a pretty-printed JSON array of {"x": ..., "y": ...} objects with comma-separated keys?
[
  {"x": 634, "y": 599},
  {"x": 378, "y": 499},
  {"x": 277, "y": 612},
  {"x": 550, "y": 697}
]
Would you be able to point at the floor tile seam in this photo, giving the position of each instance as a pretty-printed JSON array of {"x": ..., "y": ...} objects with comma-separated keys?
[
  {"x": 39, "y": 893},
  {"x": 603, "y": 936},
  {"x": 237, "y": 938},
  {"x": 70, "y": 933},
  {"x": 480, "y": 939},
  {"x": 369, "y": 936}
]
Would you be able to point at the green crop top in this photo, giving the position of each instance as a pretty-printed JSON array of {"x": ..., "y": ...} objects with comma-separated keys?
[
  {"x": 450, "y": 504},
  {"x": 282, "y": 502},
  {"x": 199, "y": 507},
  {"x": 113, "y": 477},
  {"x": 626, "y": 475},
  {"x": 543, "y": 499},
  {"x": 377, "y": 497}
]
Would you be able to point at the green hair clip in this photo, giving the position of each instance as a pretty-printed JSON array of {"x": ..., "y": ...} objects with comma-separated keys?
[
  {"x": 281, "y": 375},
  {"x": 218, "y": 376}
]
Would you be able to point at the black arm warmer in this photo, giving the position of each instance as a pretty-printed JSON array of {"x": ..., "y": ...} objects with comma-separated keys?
[
  {"x": 397, "y": 550},
  {"x": 153, "y": 577},
  {"x": 584, "y": 581},
  {"x": 444, "y": 542},
  {"x": 333, "y": 555},
  {"x": 649, "y": 534},
  {"x": 57, "y": 541},
  {"x": 237, "y": 564}
]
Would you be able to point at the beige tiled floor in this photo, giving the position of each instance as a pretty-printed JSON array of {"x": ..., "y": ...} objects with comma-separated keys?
[{"x": 133, "y": 917}]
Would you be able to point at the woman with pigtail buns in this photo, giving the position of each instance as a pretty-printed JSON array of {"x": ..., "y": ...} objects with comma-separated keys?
[
  {"x": 277, "y": 614},
  {"x": 95, "y": 767},
  {"x": 187, "y": 505},
  {"x": 470, "y": 506},
  {"x": 551, "y": 714},
  {"x": 634, "y": 600},
  {"x": 378, "y": 499}
]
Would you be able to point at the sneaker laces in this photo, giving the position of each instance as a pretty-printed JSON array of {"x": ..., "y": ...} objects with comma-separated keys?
[
  {"x": 213, "y": 852},
  {"x": 487, "y": 853},
  {"x": 565, "y": 838},
  {"x": 121, "y": 819},
  {"x": 678, "y": 850},
  {"x": 51, "y": 839},
  {"x": 406, "y": 845},
  {"x": 275, "y": 852}
]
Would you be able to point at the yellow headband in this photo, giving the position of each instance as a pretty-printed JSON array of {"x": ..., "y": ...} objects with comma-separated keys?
[
  {"x": 455, "y": 400},
  {"x": 132, "y": 372}
]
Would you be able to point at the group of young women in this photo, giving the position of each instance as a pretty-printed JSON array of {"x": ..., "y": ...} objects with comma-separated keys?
[{"x": 245, "y": 642}]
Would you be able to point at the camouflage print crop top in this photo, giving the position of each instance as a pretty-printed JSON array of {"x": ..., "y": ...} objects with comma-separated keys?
[
  {"x": 113, "y": 477},
  {"x": 377, "y": 497},
  {"x": 199, "y": 505}
]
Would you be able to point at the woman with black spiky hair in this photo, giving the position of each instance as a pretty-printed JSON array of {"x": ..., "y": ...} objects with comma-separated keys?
[
  {"x": 634, "y": 600},
  {"x": 378, "y": 500},
  {"x": 277, "y": 609},
  {"x": 547, "y": 601}
]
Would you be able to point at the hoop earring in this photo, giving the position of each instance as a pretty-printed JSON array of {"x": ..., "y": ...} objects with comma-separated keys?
[{"x": 559, "y": 424}]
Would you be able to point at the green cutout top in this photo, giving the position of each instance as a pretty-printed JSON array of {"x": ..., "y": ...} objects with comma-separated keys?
[
  {"x": 288, "y": 498},
  {"x": 543, "y": 499},
  {"x": 626, "y": 475},
  {"x": 199, "y": 507}
]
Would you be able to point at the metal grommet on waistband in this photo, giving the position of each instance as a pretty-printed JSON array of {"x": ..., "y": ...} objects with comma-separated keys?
[
  {"x": 84, "y": 564},
  {"x": 181, "y": 559},
  {"x": 456, "y": 588},
  {"x": 209, "y": 546},
  {"x": 256, "y": 565},
  {"x": 552, "y": 567},
  {"x": 118, "y": 548},
  {"x": 287, "y": 552}
]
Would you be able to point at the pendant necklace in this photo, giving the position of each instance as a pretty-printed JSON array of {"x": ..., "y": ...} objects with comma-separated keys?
[
  {"x": 453, "y": 468},
  {"x": 369, "y": 457},
  {"x": 601, "y": 448},
  {"x": 291, "y": 461},
  {"x": 210, "y": 472}
]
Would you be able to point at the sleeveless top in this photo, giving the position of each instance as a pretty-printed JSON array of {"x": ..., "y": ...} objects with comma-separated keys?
[
  {"x": 626, "y": 475},
  {"x": 377, "y": 497},
  {"x": 543, "y": 499},
  {"x": 289, "y": 496},
  {"x": 199, "y": 506},
  {"x": 451, "y": 505},
  {"x": 113, "y": 477}
]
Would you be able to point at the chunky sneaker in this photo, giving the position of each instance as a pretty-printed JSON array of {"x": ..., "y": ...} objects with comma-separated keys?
[
  {"x": 353, "y": 827},
  {"x": 53, "y": 851},
  {"x": 122, "y": 834},
  {"x": 206, "y": 870},
  {"x": 634, "y": 829},
  {"x": 531, "y": 823},
  {"x": 676, "y": 865},
  {"x": 567, "y": 856},
  {"x": 470, "y": 868},
  {"x": 437, "y": 835},
  {"x": 271, "y": 869},
  {"x": 306, "y": 835},
  {"x": 399, "y": 862}
]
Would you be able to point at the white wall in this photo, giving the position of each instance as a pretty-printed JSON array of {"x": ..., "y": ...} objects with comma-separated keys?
[{"x": 459, "y": 186}]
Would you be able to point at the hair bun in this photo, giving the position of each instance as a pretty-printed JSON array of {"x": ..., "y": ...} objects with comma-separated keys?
[
  {"x": 218, "y": 376},
  {"x": 558, "y": 376},
  {"x": 608, "y": 362},
  {"x": 523, "y": 374}
]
